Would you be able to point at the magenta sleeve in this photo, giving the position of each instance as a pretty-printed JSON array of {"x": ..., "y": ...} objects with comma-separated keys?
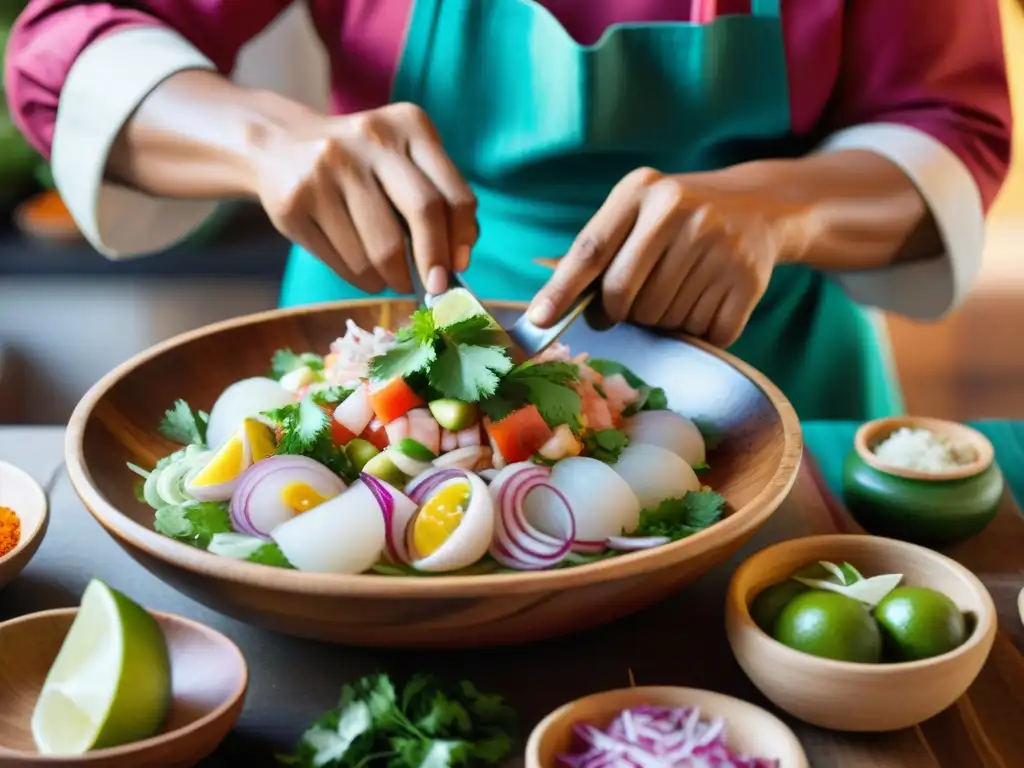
[
  {"x": 936, "y": 66},
  {"x": 50, "y": 35}
]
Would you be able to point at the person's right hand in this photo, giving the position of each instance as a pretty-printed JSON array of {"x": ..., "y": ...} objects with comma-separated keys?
[{"x": 334, "y": 186}]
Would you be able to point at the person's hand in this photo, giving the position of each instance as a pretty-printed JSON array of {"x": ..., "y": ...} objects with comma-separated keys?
[
  {"x": 334, "y": 185},
  {"x": 675, "y": 253}
]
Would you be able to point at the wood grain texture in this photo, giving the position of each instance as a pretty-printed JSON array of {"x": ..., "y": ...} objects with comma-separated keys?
[
  {"x": 209, "y": 680},
  {"x": 754, "y": 467},
  {"x": 983, "y": 727},
  {"x": 858, "y": 697}
]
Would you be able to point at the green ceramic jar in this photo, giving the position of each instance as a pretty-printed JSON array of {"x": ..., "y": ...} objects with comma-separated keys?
[{"x": 933, "y": 510}]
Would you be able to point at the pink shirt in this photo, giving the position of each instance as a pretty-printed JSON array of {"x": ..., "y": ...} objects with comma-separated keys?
[{"x": 933, "y": 65}]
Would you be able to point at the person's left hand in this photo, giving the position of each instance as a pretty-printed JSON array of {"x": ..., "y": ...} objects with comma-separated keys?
[{"x": 678, "y": 253}]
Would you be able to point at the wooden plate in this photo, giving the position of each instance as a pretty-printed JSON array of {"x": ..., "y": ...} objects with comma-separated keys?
[
  {"x": 209, "y": 679},
  {"x": 754, "y": 467}
]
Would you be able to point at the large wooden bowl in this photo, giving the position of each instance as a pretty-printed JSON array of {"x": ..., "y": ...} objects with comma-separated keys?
[{"x": 754, "y": 467}]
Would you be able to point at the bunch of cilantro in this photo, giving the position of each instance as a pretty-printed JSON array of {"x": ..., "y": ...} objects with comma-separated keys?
[
  {"x": 463, "y": 361},
  {"x": 428, "y": 725}
]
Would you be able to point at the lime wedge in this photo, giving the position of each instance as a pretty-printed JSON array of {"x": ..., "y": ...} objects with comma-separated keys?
[
  {"x": 111, "y": 681},
  {"x": 454, "y": 306}
]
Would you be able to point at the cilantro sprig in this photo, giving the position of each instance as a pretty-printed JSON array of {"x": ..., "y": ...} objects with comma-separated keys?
[
  {"x": 605, "y": 445},
  {"x": 428, "y": 725},
  {"x": 285, "y": 361},
  {"x": 194, "y": 523},
  {"x": 183, "y": 425},
  {"x": 545, "y": 385},
  {"x": 463, "y": 361},
  {"x": 679, "y": 518},
  {"x": 305, "y": 430}
]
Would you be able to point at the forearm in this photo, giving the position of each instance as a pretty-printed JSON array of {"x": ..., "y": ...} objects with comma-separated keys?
[
  {"x": 849, "y": 210},
  {"x": 193, "y": 136}
]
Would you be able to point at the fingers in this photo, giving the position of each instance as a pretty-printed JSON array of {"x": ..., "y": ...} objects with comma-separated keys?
[
  {"x": 732, "y": 317},
  {"x": 379, "y": 230},
  {"x": 430, "y": 157},
  {"x": 332, "y": 218},
  {"x": 425, "y": 212},
  {"x": 307, "y": 233},
  {"x": 592, "y": 251},
  {"x": 653, "y": 232}
]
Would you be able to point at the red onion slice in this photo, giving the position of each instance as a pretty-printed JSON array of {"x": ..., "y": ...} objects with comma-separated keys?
[
  {"x": 398, "y": 511},
  {"x": 517, "y": 544},
  {"x": 256, "y": 506}
]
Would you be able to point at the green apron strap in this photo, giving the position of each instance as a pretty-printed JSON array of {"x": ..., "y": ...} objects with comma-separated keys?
[{"x": 765, "y": 8}]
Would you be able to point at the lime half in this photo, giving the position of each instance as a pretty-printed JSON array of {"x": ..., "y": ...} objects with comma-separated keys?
[
  {"x": 111, "y": 681},
  {"x": 454, "y": 306}
]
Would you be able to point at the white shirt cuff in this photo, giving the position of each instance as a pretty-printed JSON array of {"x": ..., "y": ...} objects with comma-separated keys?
[
  {"x": 930, "y": 288},
  {"x": 108, "y": 81}
]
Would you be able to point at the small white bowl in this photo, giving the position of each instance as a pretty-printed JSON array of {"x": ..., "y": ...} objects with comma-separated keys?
[{"x": 21, "y": 493}]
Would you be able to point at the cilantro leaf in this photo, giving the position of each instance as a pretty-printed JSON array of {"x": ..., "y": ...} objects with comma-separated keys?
[
  {"x": 469, "y": 373},
  {"x": 285, "y": 361},
  {"x": 183, "y": 426},
  {"x": 605, "y": 445},
  {"x": 477, "y": 331},
  {"x": 405, "y": 358},
  {"x": 679, "y": 518},
  {"x": 430, "y": 725},
  {"x": 421, "y": 328},
  {"x": 545, "y": 385},
  {"x": 651, "y": 398},
  {"x": 306, "y": 431},
  {"x": 270, "y": 554},
  {"x": 193, "y": 523},
  {"x": 331, "y": 395}
]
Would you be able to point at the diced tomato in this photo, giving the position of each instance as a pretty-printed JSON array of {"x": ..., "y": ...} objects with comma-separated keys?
[
  {"x": 340, "y": 436},
  {"x": 376, "y": 435},
  {"x": 393, "y": 399},
  {"x": 520, "y": 434}
]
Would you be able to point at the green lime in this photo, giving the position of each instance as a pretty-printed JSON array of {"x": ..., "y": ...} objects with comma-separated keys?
[
  {"x": 830, "y": 625},
  {"x": 767, "y": 606},
  {"x": 918, "y": 623},
  {"x": 111, "y": 681},
  {"x": 454, "y": 306}
]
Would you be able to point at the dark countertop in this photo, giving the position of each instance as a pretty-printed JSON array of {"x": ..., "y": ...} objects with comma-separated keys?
[{"x": 248, "y": 246}]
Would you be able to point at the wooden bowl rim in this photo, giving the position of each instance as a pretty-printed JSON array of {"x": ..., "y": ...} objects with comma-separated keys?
[
  {"x": 684, "y": 692},
  {"x": 201, "y": 562},
  {"x": 152, "y": 741},
  {"x": 871, "y": 432},
  {"x": 27, "y": 537},
  {"x": 984, "y": 631}
]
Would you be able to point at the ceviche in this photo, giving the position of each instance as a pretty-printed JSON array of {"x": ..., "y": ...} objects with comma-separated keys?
[{"x": 430, "y": 451}]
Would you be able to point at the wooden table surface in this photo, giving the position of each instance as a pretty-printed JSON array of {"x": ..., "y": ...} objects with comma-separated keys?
[{"x": 679, "y": 642}]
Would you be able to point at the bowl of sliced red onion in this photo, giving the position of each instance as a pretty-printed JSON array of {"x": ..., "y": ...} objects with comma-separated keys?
[{"x": 664, "y": 726}]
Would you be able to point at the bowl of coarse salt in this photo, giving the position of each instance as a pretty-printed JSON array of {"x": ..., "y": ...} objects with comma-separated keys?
[{"x": 927, "y": 481}]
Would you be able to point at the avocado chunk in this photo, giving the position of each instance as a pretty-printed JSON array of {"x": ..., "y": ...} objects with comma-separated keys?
[
  {"x": 453, "y": 415},
  {"x": 360, "y": 452},
  {"x": 383, "y": 468}
]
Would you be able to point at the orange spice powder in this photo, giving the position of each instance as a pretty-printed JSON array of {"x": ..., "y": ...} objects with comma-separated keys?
[{"x": 10, "y": 530}]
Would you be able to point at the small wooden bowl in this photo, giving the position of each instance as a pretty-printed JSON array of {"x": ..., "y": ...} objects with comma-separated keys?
[
  {"x": 53, "y": 230},
  {"x": 749, "y": 729},
  {"x": 209, "y": 679},
  {"x": 20, "y": 492},
  {"x": 753, "y": 467},
  {"x": 924, "y": 508},
  {"x": 847, "y": 696}
]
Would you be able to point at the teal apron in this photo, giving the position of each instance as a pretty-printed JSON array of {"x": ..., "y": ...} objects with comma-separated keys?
[{"x": 543, "y": 127}]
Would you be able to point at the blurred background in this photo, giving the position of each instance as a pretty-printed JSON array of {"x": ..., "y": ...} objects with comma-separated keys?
[{"x": 67, "y": 316}]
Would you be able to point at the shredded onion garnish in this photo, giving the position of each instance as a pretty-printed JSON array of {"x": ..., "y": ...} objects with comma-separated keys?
[{"x": 657, "y": 737}]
